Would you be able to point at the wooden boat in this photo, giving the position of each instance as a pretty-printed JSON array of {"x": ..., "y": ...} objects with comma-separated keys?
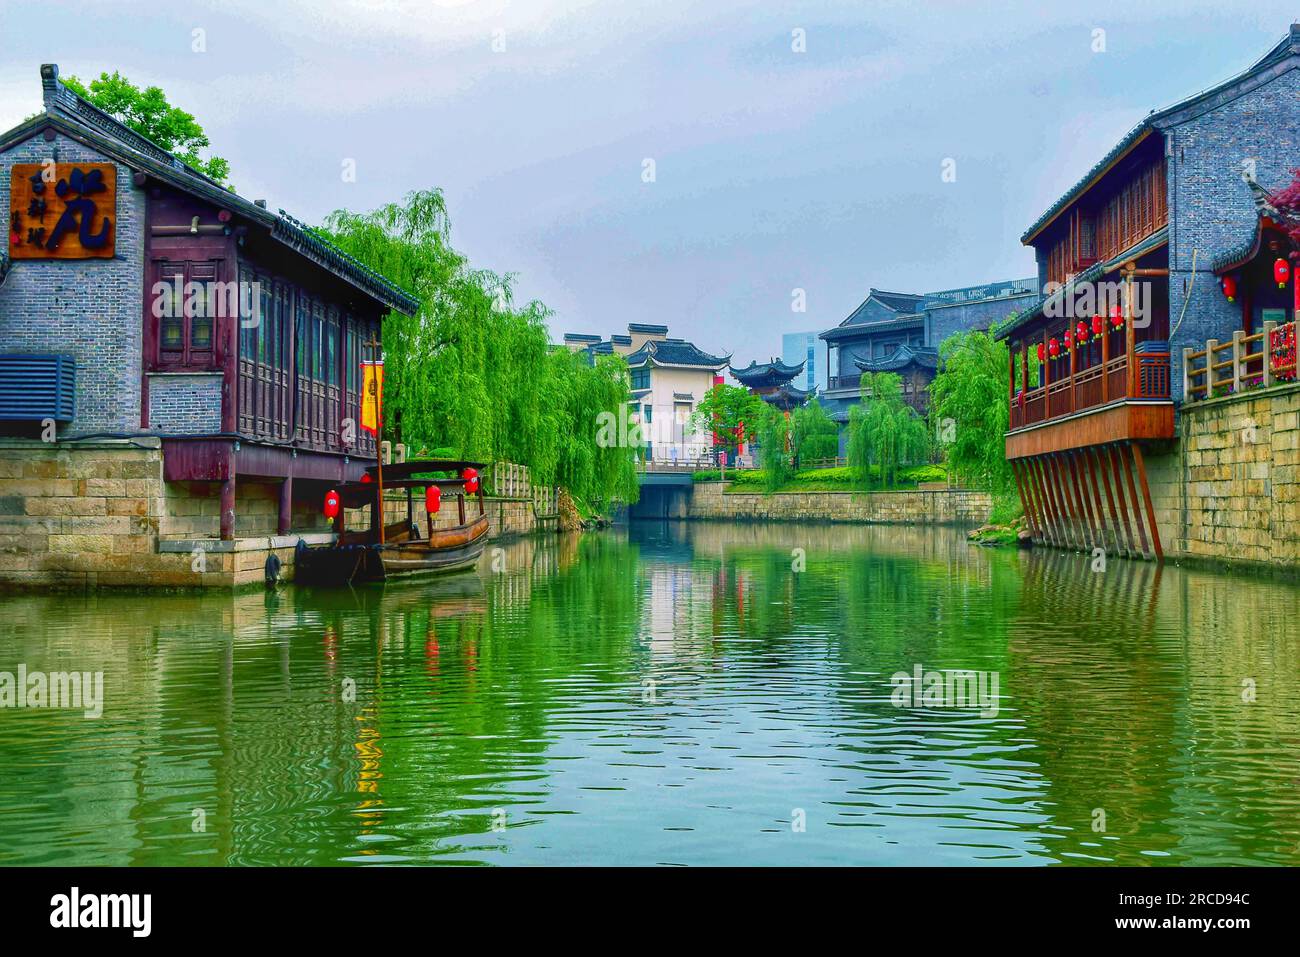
[{"x": 399, "y": 550}]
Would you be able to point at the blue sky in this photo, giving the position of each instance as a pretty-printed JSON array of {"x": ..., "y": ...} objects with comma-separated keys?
[{"x": 774, "y": 169}]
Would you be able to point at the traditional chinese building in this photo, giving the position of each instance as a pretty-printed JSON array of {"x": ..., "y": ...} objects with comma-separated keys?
[
  {"x": 179, "y": 363},
  {"x": 669, "y": 377},
  {"x": 901, "y": 332},
  {"x": 1166, "y": 248},
  {"x": 772, "y": 381}
]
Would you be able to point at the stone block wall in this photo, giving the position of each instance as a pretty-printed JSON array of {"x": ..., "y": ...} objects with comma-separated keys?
[
  {"x": 940, "y": 507},
  {"x": 98, "y": 514},
  {"x": 1227, "y": 490},
  {"x": 90, "y": 309}
]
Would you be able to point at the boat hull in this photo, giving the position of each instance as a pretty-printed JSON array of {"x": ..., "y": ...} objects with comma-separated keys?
[{"x": 448, "y": 551}]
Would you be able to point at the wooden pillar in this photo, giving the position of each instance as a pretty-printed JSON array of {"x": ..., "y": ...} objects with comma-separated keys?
[
  {"x": 228, "y": 496},
  {"x": 1237, "y": 336},
  {"x": 1210, "y": 346},
  {"x": 1105, "y": 359},
  {"x": 1130, "y": 334},
  {"x": 1267, "y": 371},
  {"x": 1047, "y": 378},
  {"x": 285, "y": 519}
]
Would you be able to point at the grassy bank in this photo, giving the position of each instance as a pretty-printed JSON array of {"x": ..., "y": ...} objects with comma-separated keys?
[{"x": 752, "y": 481}]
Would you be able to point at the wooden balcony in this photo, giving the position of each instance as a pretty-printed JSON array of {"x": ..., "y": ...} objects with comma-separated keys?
[{"x": 1123, "y": 398}]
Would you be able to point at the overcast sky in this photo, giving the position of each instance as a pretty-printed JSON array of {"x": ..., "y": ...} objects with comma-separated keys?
[{"x": 774, "y": 170}]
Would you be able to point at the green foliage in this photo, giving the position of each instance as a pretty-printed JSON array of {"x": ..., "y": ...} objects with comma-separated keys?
[
  {"x": 884, "y": 431},
  {"x": 149, "y": 114},
  {"x": 473, "y": 372},
  {"x": 724, "y": 409},
  {"x": 773, "y": 438},
  {"x": 815, "y": 434},
  {"x": 969, "y": 401},
  {"x": 843, "y": 479}
]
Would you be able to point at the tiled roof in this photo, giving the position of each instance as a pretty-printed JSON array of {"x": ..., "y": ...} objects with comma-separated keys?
[
  {"x": 675, "y": 352},
  {"x": 901, "y": 358},
  {"x": 1288, "y": 47},
  {"x": 767, "y": 372},
  {"x": 78, "y": 118},
  {"x": 647, "y": 329}
]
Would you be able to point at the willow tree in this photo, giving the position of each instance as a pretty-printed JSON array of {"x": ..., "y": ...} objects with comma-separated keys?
[
  {"x": 815, "y": 433},
  {"x": 884, "y": 431},
  {"x": 471, "y": 371},
  {"x": 968, "y": 398}
]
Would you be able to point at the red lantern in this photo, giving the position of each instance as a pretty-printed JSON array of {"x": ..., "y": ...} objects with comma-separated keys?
[
  {"x": 366, "y": 478},
  {"x": 1081, "y": 332},
  {"x": 1041, "y": 353},
  {"x": 1116, "y": 317},
  {"x": 1053, "y": 348},
  {"x": 1069, "y": 340},
  {"x": 1229, "y": 285},
  {"x": 432, "y": 499},
  {"x": 1281, "y": 272},
  {"x": 1098, "y": 324},
  {"x": 331, "y": 508},
  {"x": 471, "y": 480}
]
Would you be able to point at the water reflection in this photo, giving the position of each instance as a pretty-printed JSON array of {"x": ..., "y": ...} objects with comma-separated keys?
[{"x": 677, "y": 694}]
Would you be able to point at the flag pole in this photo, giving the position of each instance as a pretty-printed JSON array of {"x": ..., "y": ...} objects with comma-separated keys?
[{"x": 379, "y": 428}]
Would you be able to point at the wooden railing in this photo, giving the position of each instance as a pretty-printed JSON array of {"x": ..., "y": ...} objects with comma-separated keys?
[
  {"x": 510, "y": 480},
  {"x": 1244, "y": 362},
  {"x": 1146, "y": 376}
]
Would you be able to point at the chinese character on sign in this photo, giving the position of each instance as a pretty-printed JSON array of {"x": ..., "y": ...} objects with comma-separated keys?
[{"x": 79, "y": 200}]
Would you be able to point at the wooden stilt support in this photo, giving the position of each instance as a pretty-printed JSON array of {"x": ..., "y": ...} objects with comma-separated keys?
[
  {"x": 1146, "y": 498},
  {"x": 1113, "y": 454},
  {"x": 1125, "y": 454},
  {"x": 1061, "y": 523},
  {"x": 1044, "y": 504},
  {"x": 1099, "y": 456},
  {"x": 1069, "y": 516},
  {"x": 1090, "y": 478}
]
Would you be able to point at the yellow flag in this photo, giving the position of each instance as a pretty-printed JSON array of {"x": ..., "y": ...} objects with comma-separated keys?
[{"x": 372, "y": 396}]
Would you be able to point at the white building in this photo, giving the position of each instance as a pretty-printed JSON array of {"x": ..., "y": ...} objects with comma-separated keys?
[{"x": 669, "y": 379}]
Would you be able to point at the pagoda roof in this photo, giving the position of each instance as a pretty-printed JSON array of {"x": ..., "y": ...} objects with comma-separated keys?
[
  {"x": 923, "y": 357},
  {"x": 770, "y": 373},
  {"x": 787, "y": 396}
]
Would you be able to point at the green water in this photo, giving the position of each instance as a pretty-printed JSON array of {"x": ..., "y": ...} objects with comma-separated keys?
[{"x": 672, "y": 694}]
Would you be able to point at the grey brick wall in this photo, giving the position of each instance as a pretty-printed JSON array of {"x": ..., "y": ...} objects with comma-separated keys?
[
  {"x": 943, "y": 321},
  {"x": 185, "y": 403},
  {"x": 1211, "y": 209},
  {"x": 89, "y": 309}
]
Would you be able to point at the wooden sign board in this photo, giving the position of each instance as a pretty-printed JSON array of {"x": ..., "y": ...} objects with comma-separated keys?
[{"x": 62, "y": 210}]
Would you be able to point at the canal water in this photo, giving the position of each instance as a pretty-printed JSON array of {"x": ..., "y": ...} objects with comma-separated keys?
[{"x": 673, "y": 694}]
